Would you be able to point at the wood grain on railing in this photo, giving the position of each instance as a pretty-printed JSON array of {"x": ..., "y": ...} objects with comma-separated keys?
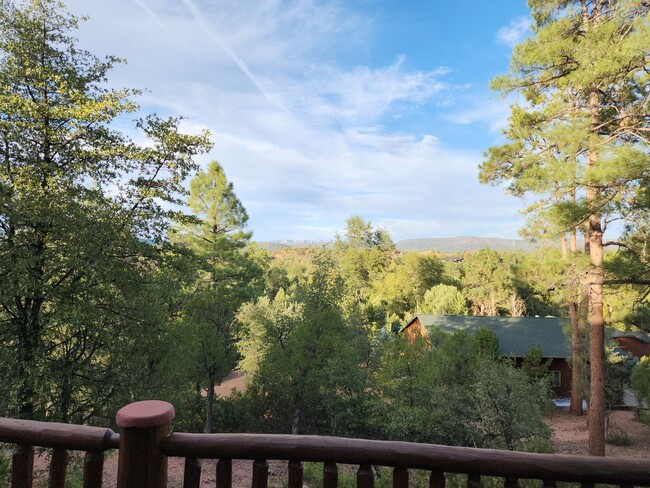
[
  {"x": 437, "y": 479},
  {"x": 470, "y": 461},
  {"x": 474, "y": 481},
  {"x": 63, "y": 436},
  {"x": 330, "y": 475},
  {"x": 260, "y": 473},
  {"x": 400, "y": 478},
  {"x": 192, "y": 474},
  {"x": 22, "y": 467},
  {"x": 224, "y": 473},
  {"x": 145, "y": 442},
  {"x": 294, "y": 474},
  {"x": 365, "y": 476},
  {"x": 93, "y": 469},
  {"x": 58, "y": 467}
]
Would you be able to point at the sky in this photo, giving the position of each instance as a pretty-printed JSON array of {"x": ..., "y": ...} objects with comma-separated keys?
[{"x": 324, "y": 109}]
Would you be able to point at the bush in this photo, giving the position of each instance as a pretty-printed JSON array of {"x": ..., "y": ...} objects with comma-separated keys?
[
  {"x": 5, "y": 469},
  {"x": 539, "y": 445},
  {"x": 618, "y": 438},
  {"x": 643, "y": 416},
  {"x": 640, "y": 380},
  {"x": 510, "y": 407}
]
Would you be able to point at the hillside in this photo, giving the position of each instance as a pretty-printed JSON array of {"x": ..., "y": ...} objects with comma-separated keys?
[
  {"x": 464, "y": 243},
  {"x": 442, "y": 244}
]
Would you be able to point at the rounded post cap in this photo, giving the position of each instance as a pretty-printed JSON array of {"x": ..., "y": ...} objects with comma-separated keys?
[{"x": 147, "y": 413}]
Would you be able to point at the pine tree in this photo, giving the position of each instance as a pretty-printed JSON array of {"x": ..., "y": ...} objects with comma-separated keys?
[
  {"x": 581, "y": 141},
  {"x": 228, "y": 277}
]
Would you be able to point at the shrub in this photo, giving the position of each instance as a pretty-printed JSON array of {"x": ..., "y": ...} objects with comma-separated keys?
[
  {"x": 618, "y": 438},
  {"x": 640, "y": 380}
]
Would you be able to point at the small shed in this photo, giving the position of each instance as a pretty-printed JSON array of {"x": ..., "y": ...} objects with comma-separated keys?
[{"x": 636, "y": 344}]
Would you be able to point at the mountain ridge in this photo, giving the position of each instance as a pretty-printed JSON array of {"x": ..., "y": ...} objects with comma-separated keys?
[{"x": 441, "y": 244}]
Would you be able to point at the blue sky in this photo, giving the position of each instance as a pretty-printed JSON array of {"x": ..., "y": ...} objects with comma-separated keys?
[{"x": 323, "y": 109}]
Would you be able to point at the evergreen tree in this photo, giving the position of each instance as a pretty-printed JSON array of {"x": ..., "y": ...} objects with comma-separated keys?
[
  {"x": 487, "y": 282},
  {"x": 581, "y": 140},
  {"x": 85, "y": 272},
  {"x": 445, "y": 300},
  {"x": 228, "y": 277}
]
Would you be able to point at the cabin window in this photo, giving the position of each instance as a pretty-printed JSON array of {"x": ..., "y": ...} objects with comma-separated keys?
[{"x": 556, "y": 379}]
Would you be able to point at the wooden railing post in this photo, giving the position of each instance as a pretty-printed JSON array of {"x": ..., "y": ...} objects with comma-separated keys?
[{"x": 143, "y": 426}]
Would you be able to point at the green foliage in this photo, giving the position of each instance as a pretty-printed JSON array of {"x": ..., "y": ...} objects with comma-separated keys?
[
  {"x": 5, "y": 469},
  {"x": 640, "y": 380},
  {"x": 578, "y": 141},
  {"x": 228, "y": 276},
  {"x": 539, "y": 445},
  {"x": 444, "y": 300},
  {"x": 359, "y": 233},
  {"x": 618, "y": 438},
  {"x": 617, "y": 372},
  {"x": 453, "y": 390},
  {"x": 402, "y": 286},
  {"x": 88, "y": 283},
  {"x": 511, "y": 407},
  {"x": 488, "y": 283},
  {"x": 534, "y": 365},
  {"x": 300, "y": 348}
]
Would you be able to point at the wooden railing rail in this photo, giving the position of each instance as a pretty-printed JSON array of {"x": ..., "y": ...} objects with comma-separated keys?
[
  {"x": 27, "y": 434},
  {"x": 145, "y": 443},
  {"x": 486, "y": 462}
]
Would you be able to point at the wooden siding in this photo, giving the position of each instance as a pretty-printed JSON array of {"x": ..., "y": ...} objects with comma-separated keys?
[{"x": 634, "y": 346}]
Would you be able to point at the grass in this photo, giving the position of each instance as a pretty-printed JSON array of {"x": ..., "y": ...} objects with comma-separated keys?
[
  {"x": 313, "y": 478},
  {"x": 617, "y": 437}
]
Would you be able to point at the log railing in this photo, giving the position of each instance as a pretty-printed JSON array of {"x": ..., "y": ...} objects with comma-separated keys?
[
  {"x": 27, "y": 434},
  {"x": 145, "y": 443}
]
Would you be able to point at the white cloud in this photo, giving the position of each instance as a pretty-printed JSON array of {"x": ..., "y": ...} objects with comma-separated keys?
[
  {"x": 515, "y": 32},
  {"x": 303, "y": 136},
  {"x": 361, "y": 92}
]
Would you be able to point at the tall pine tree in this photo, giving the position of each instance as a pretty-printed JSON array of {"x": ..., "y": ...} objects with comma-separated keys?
[
  {"x": 228, "y": 277},
  {"x": 581, "y": 140}
]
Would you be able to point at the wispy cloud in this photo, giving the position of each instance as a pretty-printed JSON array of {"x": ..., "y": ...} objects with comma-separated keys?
[
  {"x": 307, "y": 138},
  {"x": 225, "y": 47},
  {"x": 492, "y": 113},
  {"x": 515, "y": 32}
]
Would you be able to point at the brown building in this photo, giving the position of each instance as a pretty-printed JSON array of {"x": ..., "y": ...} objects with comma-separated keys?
[
  {"x": 515, "y": 334},
  {"x": 636, "y": 344}
]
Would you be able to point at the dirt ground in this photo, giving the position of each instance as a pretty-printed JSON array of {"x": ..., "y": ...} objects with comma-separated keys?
[{"x": 570, "y": 436}]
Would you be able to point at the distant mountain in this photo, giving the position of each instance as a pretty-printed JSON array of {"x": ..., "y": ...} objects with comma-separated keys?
[
  {"x": 276, "y": 245},
  {"x": 449, "y": 245},
  {"x": 465, "y": 243}
]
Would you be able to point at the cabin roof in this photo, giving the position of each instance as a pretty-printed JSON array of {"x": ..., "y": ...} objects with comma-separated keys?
[{"x": 515, "y": 334}]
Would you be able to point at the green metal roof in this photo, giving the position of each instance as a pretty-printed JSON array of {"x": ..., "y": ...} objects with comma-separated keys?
[{"x": 515, "y": 334}]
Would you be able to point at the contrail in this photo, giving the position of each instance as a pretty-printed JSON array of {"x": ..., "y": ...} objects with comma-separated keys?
[
  {"x": 159, "y": 21},
  {"x": 200, "y": 18}
]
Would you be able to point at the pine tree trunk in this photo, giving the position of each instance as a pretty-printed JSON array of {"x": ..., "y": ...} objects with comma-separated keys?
[
  {"x": 596, "y": 344},
  {"x": 577, "y": 344},
  {"x": 595, "y": 316}
]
